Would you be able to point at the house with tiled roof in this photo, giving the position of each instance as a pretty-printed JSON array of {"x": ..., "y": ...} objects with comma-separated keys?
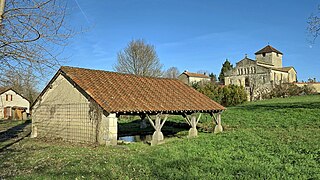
[
  {"x": 260, "y": 75},
  {"x": 190, "y": 78},
  {"x": 13, "y": 105},
  {"x": 84, "y": 105}
]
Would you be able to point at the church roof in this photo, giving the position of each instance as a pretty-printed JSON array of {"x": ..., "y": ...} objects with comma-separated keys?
[
  {"x": 284, "y": 69},
  {"x": 267, "y": 49},
  {"x": 126, "y": 93},
  {"x": 246, "y": 59}
]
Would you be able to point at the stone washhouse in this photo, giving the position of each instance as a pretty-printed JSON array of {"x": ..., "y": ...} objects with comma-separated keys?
[{"x": 84, "y": 105}]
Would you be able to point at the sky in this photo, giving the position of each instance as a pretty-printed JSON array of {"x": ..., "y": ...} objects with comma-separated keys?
[{"x": 194, "y": 35}]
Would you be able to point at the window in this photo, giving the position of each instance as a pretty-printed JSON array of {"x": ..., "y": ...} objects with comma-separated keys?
[
  {"x": 8, "y": 97},
  {"x": 247, "y": 83}
]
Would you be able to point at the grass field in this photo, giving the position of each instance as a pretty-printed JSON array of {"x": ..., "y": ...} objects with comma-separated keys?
[{"x": 271, "y": 139}]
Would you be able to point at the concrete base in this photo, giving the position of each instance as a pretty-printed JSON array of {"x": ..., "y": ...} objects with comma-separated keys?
[
  {"x": 193, "y": 132},
  {"x": 157, "y": 138},
  {"x": 218, "y": 129}
]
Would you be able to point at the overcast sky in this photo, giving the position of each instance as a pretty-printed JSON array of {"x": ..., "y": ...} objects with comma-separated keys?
[{"x": 194, "y": 34}]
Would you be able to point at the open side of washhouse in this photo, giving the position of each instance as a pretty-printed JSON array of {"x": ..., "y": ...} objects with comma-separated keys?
[{"x": 84, "y": 105}]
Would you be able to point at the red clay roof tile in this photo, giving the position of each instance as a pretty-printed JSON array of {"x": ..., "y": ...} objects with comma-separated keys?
[{"x": 116, "y": 92}]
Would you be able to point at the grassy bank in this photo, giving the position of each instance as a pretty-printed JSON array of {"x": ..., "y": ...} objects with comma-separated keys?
[{"x": 276, "y": 138}]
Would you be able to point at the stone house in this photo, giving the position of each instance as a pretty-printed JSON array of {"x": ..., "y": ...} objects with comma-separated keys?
[
  {"x": 83, "y": 105},
  {"x": 13, "y": 105},
  {"x": 189, "y": 77},
  {"x": 260, "y": 75}
]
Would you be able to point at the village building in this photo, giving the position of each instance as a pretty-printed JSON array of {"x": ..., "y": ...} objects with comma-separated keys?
[
  {"x": 312, "y": 85},
  {"x": 83, "y": 105},
  {"x": 260, "y": 75},
  {"x": 190, "y": 78},
  {"x": 13, "y": 105}
]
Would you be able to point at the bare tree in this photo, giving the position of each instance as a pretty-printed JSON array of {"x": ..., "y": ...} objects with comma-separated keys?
[
  {"x": 139, "y": 58},
  {"x": 204, "y": 72},
  {"x": 314, "y": 25},
  {"x": 172, "y": 72},
  {"x": 24, "y": 82},
  {"x": 32, "y": 34}
]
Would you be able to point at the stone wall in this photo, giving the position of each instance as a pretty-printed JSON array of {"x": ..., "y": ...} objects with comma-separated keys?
[
  {"x": 315, "y": 85},
  {"x": 63, "y": 112}
]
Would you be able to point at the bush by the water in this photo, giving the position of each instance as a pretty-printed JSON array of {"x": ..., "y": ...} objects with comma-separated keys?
[
  {"x": 287, "y": 90},
  {"x": 226, "y": 95}
]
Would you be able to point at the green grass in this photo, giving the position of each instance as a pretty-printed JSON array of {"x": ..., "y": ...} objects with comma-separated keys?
[
  {"x": 271, "y": 139},
  {"x": 12, "y": 131}
]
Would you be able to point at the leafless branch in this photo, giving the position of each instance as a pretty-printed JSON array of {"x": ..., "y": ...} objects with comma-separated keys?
[
  {"x": 32, "y": 35},
  {"x": 139, "y": 58}
]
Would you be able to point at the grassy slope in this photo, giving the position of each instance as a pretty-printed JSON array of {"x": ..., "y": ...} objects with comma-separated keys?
[{"x": 276, "y": 138}]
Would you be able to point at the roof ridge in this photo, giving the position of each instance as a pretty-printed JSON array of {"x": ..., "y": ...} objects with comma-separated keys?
[
  {"x": 120, "y": 73},
  {"x": 268, "y": 49}
]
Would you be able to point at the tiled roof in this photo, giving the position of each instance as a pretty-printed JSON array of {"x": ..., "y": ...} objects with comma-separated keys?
[
  {"x": 190, "y": 74},
  {"x": 268, "y": 49},
  {"x": 3, "y": 89},
  {"x": 264, "y": 63},
  {"x": 119, "y": 93},
  {"x": 283, "y": 69}
]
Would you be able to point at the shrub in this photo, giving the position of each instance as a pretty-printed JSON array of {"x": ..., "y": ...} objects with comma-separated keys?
[
  {"x": 226, "y": 95},
  {"x": 287, "y": 90}
]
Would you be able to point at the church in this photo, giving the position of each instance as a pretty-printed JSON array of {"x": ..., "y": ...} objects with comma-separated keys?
[{"x": 260, "y": 75}]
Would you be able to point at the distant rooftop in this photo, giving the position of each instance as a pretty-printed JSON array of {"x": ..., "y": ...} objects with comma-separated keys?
[{"x": 190, "y": 74}]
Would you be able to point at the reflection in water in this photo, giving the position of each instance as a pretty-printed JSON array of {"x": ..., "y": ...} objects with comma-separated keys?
[{"x": 136, "y": 138}]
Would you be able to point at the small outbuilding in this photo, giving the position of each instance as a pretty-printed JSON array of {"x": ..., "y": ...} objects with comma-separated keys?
[
  {"x": 13, "y": 105},
  {"x": 83, "y": 105}
]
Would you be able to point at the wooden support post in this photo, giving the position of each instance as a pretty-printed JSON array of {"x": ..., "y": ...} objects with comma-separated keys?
[
  {"x": 157, "y": 137},
  {"x": 218, "y": 128}
]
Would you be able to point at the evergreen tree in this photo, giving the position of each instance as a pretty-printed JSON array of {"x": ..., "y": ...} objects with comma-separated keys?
[
  {"x": 226, "y": 66},
  {"x": 213, "y": 77}
]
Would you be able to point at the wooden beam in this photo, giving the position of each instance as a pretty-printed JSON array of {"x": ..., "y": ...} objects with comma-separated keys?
[
  {"x": 187, "y": 118},
  {"x": 151, "y": 122},
  {"x": 164, "y": 120},
  {"x": 199, "y": 118}
]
